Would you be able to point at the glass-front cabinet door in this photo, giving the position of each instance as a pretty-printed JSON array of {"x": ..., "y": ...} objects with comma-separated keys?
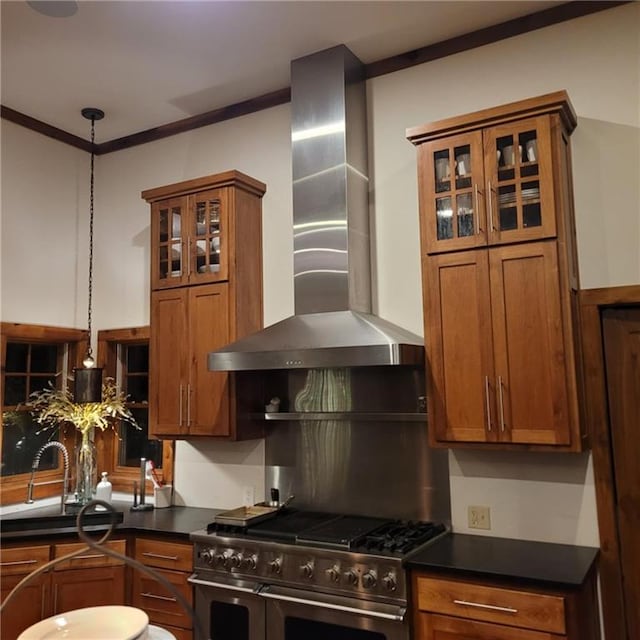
[
  {"x": 168, "y": 248},
  {"x": 208, "y": 237},
  {"x": 452, "y": 193},
  {"x": 519, "y": 181},
  {"x": 189, "y": 240}
]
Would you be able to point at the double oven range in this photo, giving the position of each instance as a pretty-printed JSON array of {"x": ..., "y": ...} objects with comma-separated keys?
[{"x": 306, "y": 575}]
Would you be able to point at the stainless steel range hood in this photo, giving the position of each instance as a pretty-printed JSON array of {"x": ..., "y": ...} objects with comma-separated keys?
[{"x": 333, "y": 325}]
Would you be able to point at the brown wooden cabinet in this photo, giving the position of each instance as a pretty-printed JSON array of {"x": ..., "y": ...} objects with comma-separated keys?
[
  {"x": 33, "y": 602},
  {"x": 451, "y": 608},
  {"x": 173, "y": 561},
  {"x": 206, "y": 280},
  {"x": 87, "y": 580},
  {"x": 500, "y": 277}
]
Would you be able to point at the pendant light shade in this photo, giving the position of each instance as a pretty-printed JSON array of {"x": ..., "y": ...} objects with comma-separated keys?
[{"x": 87, "y": 382}]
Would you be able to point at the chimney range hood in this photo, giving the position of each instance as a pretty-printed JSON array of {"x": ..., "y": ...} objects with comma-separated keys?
[{"x": 333, "y": 325}]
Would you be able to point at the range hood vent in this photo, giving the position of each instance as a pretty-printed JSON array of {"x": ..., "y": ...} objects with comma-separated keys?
[{"x": 333, "y": 325}]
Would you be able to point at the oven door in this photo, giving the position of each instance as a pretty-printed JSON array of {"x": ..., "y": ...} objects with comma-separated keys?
[
  {"x": 227, "y": 610},
  {"x": 295, "y": 614}
]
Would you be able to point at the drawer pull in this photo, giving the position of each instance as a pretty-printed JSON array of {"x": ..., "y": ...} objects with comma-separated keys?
[
  {"x": 155, "y": 597},
  {"x": 17, "y": 562},
  {"x": 493, "y": 607},
  {"x": 158, "y": 555},
  {"x": 89, "y": 556}
]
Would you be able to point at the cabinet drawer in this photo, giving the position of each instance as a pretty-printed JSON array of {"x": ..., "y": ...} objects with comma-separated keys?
[
  {"x": 165, "y": 555},
  {"x": 530, "y": 610},
  {"x": 91, "y": 557},
  {"x": 22, "y": 560},
  {"x": 161, "y": 605}
]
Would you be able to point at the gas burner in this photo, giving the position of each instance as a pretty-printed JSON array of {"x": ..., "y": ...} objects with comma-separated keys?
[{"x": 397, "y": 538}]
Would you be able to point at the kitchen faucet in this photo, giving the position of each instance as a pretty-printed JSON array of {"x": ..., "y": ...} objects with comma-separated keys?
[{"x": 36, "y": 464}]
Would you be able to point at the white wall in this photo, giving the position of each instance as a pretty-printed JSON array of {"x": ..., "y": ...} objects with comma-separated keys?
[{"x": 533, "y": 496}]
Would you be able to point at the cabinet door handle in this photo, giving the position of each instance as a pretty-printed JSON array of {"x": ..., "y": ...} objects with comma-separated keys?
[
  {"x": 501, "y": 403},
  {"x": 490, "y": 201},
  {"x": 89, "y": 556},
  {"x": 189, "y": 405},
  {"x": 477, "y": 192},
  {"x": 180, "y": 408},
  {"x": 486, "y": 396},
  {"x": 148, "y": 554},
  {"x": 493, "y": 607},
  {"x": 155, "y": 597},
  {"x": 17, "y": 562}
]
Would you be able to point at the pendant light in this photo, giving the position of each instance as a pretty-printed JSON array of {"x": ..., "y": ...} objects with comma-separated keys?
[{"x": 87, "y": 383}]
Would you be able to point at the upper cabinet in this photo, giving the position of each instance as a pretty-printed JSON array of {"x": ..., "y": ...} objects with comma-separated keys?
[
  {"x": 206, "y": 291},
  {"x": 492, "y": 181},
  {"x": 500, "y": 277}
]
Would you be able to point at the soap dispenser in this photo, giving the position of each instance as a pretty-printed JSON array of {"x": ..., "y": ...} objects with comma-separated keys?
[{"x": 103, "y": 489}]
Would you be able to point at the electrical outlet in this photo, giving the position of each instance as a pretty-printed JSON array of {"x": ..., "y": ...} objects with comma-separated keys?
[
  {"x": 479, "y": 517},
  {"x": 248, "y": 496}
]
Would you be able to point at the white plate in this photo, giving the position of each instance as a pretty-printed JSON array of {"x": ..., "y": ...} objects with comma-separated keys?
[{"x": 113, "y": 622}]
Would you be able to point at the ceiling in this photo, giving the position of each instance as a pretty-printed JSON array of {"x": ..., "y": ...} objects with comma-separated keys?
[{"x": 151, "y": 62}]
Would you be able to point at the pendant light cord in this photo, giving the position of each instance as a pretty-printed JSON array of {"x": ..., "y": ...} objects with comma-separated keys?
[{"x": 89, "y": 350}]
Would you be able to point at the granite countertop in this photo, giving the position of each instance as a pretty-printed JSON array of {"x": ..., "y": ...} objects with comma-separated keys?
[
  {"x": 485, "y": 556},
  {"x": 41, "y": 521}
]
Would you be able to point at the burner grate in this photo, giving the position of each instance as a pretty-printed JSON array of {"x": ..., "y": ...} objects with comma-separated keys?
[{"x": 397, "y": 538}]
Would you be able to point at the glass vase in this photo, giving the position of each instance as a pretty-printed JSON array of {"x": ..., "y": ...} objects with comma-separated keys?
[{"x": 86, "y": 469}]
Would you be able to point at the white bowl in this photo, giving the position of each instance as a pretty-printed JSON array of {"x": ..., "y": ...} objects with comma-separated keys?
[{"x": 112, "y": 622}]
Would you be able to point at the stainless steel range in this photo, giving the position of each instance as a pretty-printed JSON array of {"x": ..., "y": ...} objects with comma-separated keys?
[{"x": 303, "y": 575}]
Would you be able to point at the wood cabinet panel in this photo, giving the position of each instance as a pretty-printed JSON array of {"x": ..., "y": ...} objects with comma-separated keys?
[
  {"x": 435, "y": 627},
  {"x": 533, "y": 398},
  {"x": 159, "y": 603},
  {"x": 206, "y": 281},
  {"x": 79, "y": 588},
  {"x": 500, "y": 316},
  {"x": 527, "y": 609},
  {"x": 458, "y": 339},
  {"x": 30, "y": 605},
  {"x": 22, "y": 560},
  {"x": 90, "y": 558},
  {"x": 165, "y": 555}
]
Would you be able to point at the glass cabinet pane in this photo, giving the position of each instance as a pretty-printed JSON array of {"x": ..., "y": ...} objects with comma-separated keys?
[
  {"x": 170, "y": 242},
  {"x": 207, "y": 233},
  {"x": 465, "y": 215},
  {"x": 444, "y": 218},
  {"x": 442, "y": 168}
]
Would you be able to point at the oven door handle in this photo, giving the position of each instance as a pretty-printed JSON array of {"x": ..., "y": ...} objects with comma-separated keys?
[
  {"x": 337, "y": 603},
  {"x": 193, "y": 579}
]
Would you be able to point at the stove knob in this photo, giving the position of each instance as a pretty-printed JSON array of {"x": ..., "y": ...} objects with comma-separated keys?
[
  {"x": 208, "y": 556},
  {"x": 250, "y": 562},
  {"x": 351, "y": 577},
  {"x": 306, "y": 570},
  {"x": 235, "y": 560},
  {"x": 220, "y": 559},
  {"x": 276, "y": 566},
  {"x": 369, "y": 580},
  {"x": 389, "y": 582},
  {"x": 333, "y": 574}
]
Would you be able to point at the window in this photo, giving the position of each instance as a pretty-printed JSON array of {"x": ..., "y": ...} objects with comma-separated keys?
[
  {"x": 124, "y": 354},
  {"x": 32, "y": 357}
]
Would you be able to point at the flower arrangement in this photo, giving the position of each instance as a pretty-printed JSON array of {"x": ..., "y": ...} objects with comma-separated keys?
[{"x": 52, "y": 406}]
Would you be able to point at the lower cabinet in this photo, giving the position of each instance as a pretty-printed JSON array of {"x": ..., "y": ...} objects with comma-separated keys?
[
  {"x": 32, "y": 603},
  {"x": 448, "y": 608},
  {"x": 174, "y": 562},
  {"x": 88, "y": 580}
]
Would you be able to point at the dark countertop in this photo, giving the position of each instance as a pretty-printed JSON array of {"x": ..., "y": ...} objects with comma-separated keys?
[
  {"x": 485, "y": 556},
  {"x": 45, "y": 521}
]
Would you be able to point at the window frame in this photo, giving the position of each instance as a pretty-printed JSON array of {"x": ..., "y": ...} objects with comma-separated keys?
[
  {"x": 13, "y": 489},
  {"x": 122, "y": 478}
]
